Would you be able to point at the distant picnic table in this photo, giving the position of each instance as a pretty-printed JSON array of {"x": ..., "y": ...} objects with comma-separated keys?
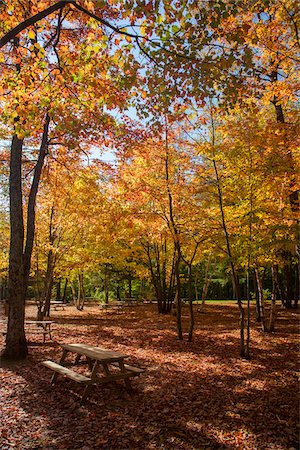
[
  {"x": 57, "y": 305},
  {"x": 37, "y": 327},
  {"x": 104, "y": 366}
]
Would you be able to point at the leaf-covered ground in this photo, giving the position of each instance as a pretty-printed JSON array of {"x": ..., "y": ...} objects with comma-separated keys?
[{"x": 196, "y": 395}]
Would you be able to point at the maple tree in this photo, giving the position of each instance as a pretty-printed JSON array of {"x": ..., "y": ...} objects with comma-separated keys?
[{"x": 33, "y": 86}]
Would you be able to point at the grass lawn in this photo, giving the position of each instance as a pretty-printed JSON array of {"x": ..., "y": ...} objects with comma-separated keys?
[{"x": 198, "y": 395}]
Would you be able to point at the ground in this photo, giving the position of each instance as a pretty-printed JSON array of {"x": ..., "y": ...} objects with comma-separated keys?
[{"x": 198, "y": 395}]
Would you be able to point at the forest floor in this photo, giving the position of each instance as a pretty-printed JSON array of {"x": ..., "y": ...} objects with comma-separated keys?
[{"x": 198, "y": 395}]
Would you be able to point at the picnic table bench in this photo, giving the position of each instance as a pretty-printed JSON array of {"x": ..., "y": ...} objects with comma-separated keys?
[{"x": 104, "y": 366}]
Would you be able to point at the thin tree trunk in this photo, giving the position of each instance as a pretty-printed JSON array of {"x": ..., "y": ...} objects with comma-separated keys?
[
  {"x": 261, "y": 300},
  {"x": 295, "y": 205},
  {"x": 65, "y": 291},
  {"x": 106, "y": 285},
  {"x": 175, "y": 235},
  {"x": 190, "y": 296},
  {"x": 196, "y": 287},
  {"x": 82, "y": 292},
  {"x": 206, "y": 282},
  {"x": 58, "y": 290},
  {"x": 48, "y": 285},
  {"x": 130, "y": 286},
  {"x": 32, "y": 201},
  {"x": 178, "y": 304},
  {"x": 153, "y": 278},
  {"x": 272, "y": 317},
  {"x": 235, "y": 281},
  {"x": 73, "y": 293},
  {"x": 80, "y": 295},
  {"x": 248, "y": 312}
]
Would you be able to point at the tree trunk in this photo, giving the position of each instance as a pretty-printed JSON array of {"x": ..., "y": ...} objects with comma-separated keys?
[
  {"x": 16, "y": 345},
  {"x": 80, "y": 296},
  {"x": 64, "y": 300},
  {"x": 130, "y": 286},
  {"x": 118, "y": 292},
  {"x": 19, "y": 259},
  {"x": 82, "y": 291},
  {"x": 248, "y": 311},
  {"x": 106, "y": 285},
  {"x": 178, "y": 303},
  {"x": 58, "y": 290},
  {"x": 196, "y": 287},
  {"x": 206, "y": 283},
  {"x": 235, "y": 280},
  {"x": 272, "y": 317},
  {"x": 261, "y": 300},
  {"x": 288, "y": 285},
  {"x": 48, "y": 284},
  {"x": 73, "y": 293},
  {"x": 190, "y": 297},
  {"x": 297, "y": 288},
  {"x": 290, "y": 294},
  {"x": 175, "y": 234}
]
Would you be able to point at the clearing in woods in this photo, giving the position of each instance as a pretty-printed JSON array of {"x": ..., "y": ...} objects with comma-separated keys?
[{"x": 198, "y": 395}]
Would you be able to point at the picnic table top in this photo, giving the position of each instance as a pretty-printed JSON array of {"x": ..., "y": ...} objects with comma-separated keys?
[
  {"x": 96, "y": 353},
  {"x": 29, "y": 322},
  {"x": 44, "y": 322}
]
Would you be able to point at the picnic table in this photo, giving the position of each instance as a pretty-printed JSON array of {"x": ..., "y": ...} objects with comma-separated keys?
[
  {"x": 114, "y": 304},
  {"x": 57, "y": 305},
  {"x": 37, "y": 327},
  {"x": 104, "y": 366}
]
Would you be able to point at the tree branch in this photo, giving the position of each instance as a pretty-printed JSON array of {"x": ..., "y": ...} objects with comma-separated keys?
[{"x": 46, "y": 12}]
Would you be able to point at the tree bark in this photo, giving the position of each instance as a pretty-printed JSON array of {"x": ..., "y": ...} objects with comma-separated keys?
[
  {"x": 65, "y": 291},
  {"x": 30, "y": 229},
  {"x": 261, "y": 300},
  {"x": 178, "y": 302},
  {"x": 16, "y": 345},
  {"x": 73, "y": 292},
  {"x": 190, "y": 296},
  {"x": 206, "y": 282},
  {"x": 58, "y": 290},
  {"x": 295, "y": 205},
  {"x": 272, "y": 317},
  {"x": 80, "y": 295},
  {"x": 106, "y": 285},
  {"x": 48, "y": 284},
  {"x": 20, "y": 258},
  {"x": 235, "y": 280}
]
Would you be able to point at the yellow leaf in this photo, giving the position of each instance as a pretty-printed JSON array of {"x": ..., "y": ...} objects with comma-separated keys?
[{"x": 31, "y": 34}]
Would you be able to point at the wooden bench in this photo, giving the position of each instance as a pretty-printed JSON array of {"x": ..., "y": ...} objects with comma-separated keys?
[
  {"x": 135, "y": 370},
  {"x": 79, "y": 378}
]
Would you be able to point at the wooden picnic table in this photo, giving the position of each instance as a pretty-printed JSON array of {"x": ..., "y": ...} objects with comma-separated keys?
[
  {"x": 37, "y": 327},
  {"x": 57, "y": 305},
  {"x": 104, "y": 366}
]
